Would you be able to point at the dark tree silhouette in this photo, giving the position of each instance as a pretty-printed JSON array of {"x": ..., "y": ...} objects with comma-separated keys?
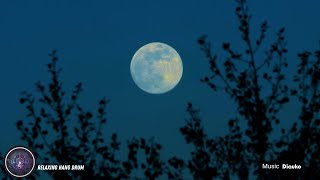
[
  {"x": 257, "y": 86},
  {"x": 255, "y": 82},
  {"x": 60, "y": 131}
]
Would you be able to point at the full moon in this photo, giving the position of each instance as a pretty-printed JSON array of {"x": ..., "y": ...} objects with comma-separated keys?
[{"x": 156, "y": 68}]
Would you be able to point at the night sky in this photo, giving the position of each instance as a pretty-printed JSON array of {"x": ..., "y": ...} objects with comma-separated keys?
[{"x": 97, "y": 39}]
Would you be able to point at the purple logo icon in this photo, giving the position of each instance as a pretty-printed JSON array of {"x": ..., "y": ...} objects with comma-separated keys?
[{"x": 19, "y": 162}]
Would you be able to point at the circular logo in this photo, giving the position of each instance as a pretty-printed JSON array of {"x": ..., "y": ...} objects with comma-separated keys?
[{"x": 19, "y": 162}]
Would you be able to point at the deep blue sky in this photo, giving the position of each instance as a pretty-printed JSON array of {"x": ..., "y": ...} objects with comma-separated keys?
[{"x": 97, "y": 39}]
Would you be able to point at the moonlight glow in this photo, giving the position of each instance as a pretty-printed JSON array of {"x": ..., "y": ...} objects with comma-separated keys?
[{"x": 156, "y": 68}]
